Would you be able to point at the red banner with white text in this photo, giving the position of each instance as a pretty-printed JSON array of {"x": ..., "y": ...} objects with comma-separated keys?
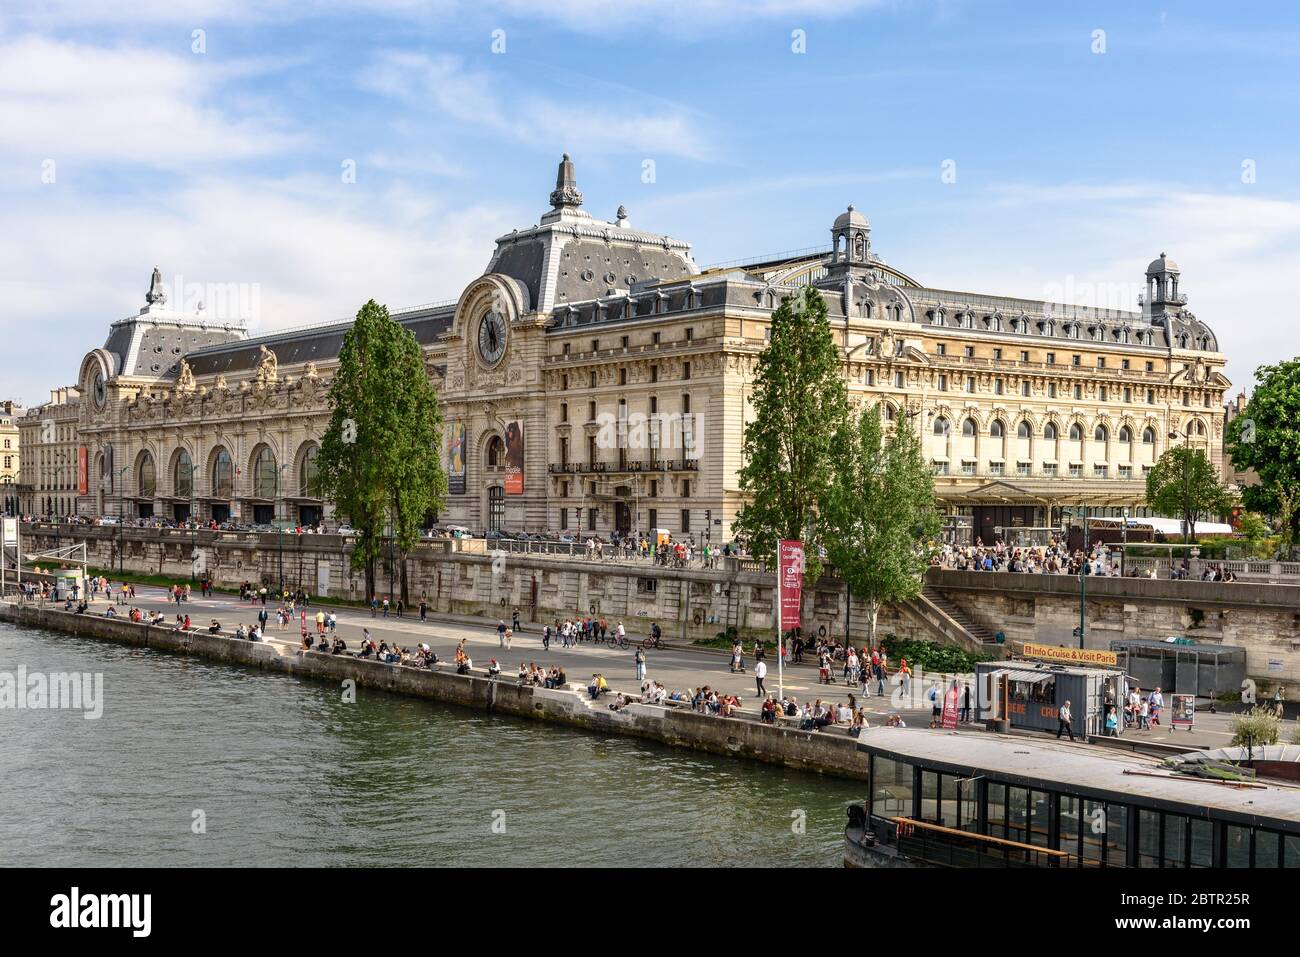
[{"x": 790, "y": 582}]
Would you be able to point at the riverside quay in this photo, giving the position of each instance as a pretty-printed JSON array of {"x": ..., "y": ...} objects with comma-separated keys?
[{"x": 616, "y": 375}]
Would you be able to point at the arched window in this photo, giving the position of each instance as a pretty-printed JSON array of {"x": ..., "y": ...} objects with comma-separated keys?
[
  {"x": 1099, "y": 434},
  {"x": 223, "y": 475},
  {"x": 996, "y": 429},
  {"x": 1125, "y": 434},
  {"x": 1023, "y": 430},
  {"x": 969, "y": 428},
  {"x": 1148, "y": 436},
  {"x": 264, "y": 474},
  {"x": 309, "y": 473},
  {"x": 1076, "y": 433},
  {"x": 496, "y": 452},
  {"x": 889, "y": 412},
  {"x": 1049, "y": 432},
  {"x": 941, "y": 426},
  {"x": 183, "y": 475},
  {"x": 1198, "y": 428},
  {"x": 146, "y": 477}
]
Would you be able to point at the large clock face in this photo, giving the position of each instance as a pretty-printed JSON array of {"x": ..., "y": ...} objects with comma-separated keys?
[
  {"x": 492, "y": 337},
  {"x": 100, "y": 394}
]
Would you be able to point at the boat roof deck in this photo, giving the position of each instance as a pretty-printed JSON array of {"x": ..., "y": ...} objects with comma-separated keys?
[{"x": 1078, "y": 769}]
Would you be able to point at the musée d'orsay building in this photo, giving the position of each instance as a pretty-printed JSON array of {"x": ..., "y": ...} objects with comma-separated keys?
[{"x": 594, "y": 379}]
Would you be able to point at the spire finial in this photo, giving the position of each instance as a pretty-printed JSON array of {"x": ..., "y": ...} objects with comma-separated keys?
[
  {"x": 566, "y": 194},
  {"x": 156, "y": 294}
]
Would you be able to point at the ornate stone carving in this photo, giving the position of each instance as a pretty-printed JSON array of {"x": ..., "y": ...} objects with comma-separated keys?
[
  {"x": 185, "y": 381},
  {"x": 267, "y": 367}
]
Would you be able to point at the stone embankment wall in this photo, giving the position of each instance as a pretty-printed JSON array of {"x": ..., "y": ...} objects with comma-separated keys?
[
  {"x": 828, "y": 752},
  {"x": 463, "y": 577},
  {"x": 1262, "y": 618}
]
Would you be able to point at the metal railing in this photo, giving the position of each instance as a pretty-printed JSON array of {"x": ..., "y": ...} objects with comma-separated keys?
[{"x": 949, "y": 847}]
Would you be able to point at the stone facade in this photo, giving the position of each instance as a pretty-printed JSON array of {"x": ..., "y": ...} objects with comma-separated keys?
[
  {"x": 49, "y": 432},
  {"x": 10, "y": 457},
  {"x": 594, "y": 379}
]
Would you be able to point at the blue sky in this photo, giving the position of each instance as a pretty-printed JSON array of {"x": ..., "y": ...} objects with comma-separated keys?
[{"x": 1073, "y": 168}]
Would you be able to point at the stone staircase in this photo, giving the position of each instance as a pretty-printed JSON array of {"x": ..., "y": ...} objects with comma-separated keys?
[{"x": 949, "y": 624}]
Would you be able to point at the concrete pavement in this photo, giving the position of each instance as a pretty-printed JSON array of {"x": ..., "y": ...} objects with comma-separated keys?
[{"x": 677, "y": 667}]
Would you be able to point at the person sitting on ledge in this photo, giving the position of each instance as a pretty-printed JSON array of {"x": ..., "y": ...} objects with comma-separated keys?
[
  {"x": 465, "y": 665},
  {"x": 81, "y": 608},
  {"x": 241, "y": 632},
  {"x": 494, "y": 668},
  {"x": 895, "y": 721},
  {"x": 306, "y": 643},
  {"x": 619, "y": 703},
  {"x": 214, "y": 628},
  {"x": 598, "y": 686},
  {"x": 340, "y": 646},
  {"x": 255, "y": 634}
]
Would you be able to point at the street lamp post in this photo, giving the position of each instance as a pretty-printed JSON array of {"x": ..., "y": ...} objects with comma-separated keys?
[
  {"x": 279, "y": 525},
  {"x": 1083, "y": 574},
  {"x": 121, "y": 517},
  {"x": 1187, "y": 489},
  {"x": 194, "y": 525}
]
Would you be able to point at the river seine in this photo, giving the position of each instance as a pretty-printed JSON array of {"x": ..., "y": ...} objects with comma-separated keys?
[{"x": 272, "y": 771}]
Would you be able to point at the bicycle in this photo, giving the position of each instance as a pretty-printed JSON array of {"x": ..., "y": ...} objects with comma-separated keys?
[
  {"x": 618, "y": 642},
  {"x": 653, "y": 642}
]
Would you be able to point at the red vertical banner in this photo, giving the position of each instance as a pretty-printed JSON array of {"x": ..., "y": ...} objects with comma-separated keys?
[
  {"x": 950, "y": 707},
  {"x": 789, "y": 582},
  {"x": 515, "y": 458},
  {"x": 83, "y": 471}
]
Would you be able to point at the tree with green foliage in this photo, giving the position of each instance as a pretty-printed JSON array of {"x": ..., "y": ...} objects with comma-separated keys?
[
  {"x": 380, "y": 458},
  {"x": 800, "y": 404},
  {"x": 1266, "y": 438},
  {"x": 880, "y": 512},
  {"x": 1184, "y": 483}
]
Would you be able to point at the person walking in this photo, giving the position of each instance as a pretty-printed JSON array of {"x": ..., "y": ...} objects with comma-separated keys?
[
  {"x": 501, "y": 632},
  {"x": 640, "y": 664},
  {"x": 1065, "y": 721},
  {"x": 760, "y": 672},
  {"x": 514, "y": 620},
  {"x": 965, "y": 703}
]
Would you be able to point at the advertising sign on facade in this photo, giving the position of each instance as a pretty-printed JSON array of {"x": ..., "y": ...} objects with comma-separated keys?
[
  {"x": 83, "y": 471},
  {"x": 1184, "y": 710},
  {"x": 1071, "y": 656},
  {"x": 515, "y": 458},
  {"x": 456, "y": 459}
]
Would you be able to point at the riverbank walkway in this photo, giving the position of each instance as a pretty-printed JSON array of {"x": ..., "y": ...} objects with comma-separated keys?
[{"x": 678, "y": 667}]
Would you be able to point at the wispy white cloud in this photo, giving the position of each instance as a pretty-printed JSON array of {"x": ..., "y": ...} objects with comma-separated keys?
[
  {"x": 451, "y": 90},
  {"x": 586, "y": 16},
  {"x": 79, "y": 103}
]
